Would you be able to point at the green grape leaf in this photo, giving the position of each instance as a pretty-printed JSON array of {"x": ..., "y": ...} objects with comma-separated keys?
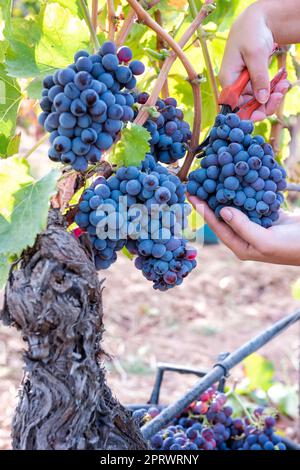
[
  {"x": 285, "y": 398},
  {"x": 9, "y": 145},
  {"x": 24, "y": 204},
  {"x": 127, "y": 253},
  {"x": 263, "y": 128},
  {"x": 183, "y": 91},
  {"x": 10, "y": 97},
  {"x": 3, "y": 46},
  {"x": 5, "y": 9},
  {"x": 34, "y": 88},
  {"x": 4, "y": 270},
  {"x": 4, "y": 141},
  {"x": 42, "y": 43},
  {"x": 72, "y": 5},
  {"x": 132, "y": 147},
  {"x": 224, "y": 13},
  {"x": 13, "y": 145},
  {"x": 259, "y": 371},
  {"x": 208, "y": 106}
]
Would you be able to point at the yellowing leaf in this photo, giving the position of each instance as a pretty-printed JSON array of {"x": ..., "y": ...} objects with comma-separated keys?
[
  {"x": 259, "y": 371},
  {"x": 44, "y": 42},
  {"x": 296, "y": 290},
  {"x": 13, "y": 145}
]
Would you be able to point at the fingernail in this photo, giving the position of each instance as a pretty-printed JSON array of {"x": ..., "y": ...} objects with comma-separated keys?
[
  {"x": 263, "y": 95},
  {"x": 227, "y": 215}
]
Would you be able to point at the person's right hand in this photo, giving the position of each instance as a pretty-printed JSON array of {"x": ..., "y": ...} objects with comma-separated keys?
[{"x": 250, "y": 45}]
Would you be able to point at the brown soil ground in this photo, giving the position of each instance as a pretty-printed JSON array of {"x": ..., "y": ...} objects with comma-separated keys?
[{"x": 222, "y": 304}]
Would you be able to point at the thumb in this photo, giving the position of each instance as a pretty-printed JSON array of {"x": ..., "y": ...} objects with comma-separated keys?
[
  {"x": 259, "y": 75},
  {"x": 252, "y": 233}
]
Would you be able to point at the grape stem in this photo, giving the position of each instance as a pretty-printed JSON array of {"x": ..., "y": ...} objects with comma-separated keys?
[
  {"x": 143, "y": 115},
  {"x": 94, "y": 14},
  {"x": 88, "y": 21},
  {"x": 293, "y": 187},
  {"x": 128, "y": 22},
  {"x": 192, "y": 74},
  {"x": 160, "y": 44},
  {"x": 126, "y": 27},
  {"x": 36, "y": 146},
  {"x": 111, "y": 17},
  {"x": 277, "y": 125},
  {"x": 235, "y": 396},
  {"x": 146, "y": 18},
  {"x": 200, "y": 33},
  {"x": 203, "y": 13}
]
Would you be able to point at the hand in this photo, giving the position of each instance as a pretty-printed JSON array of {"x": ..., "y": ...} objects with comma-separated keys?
[
  {"x": 279, "y": 244},
  {"x": 250, "y": 45}
]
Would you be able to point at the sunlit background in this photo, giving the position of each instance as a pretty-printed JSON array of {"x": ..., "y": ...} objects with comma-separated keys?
[{"x": 224, "y": 302}]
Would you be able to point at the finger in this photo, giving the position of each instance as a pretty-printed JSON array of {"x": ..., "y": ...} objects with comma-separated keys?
[
  {"x": 269, "y": 108},
  {"x": 220, "y": 228},
  {"x": 283, "y": 86},
  {"x": 232, "y": 66},
  {"x": 258, "y": 115},
  {"x": 259, "y": 73},
  {"x": 273, "y": 103},
  {"x": 257, "y": 236},
  {"x": 239, "y": 247},
  {"x": 243, "y": 99}
]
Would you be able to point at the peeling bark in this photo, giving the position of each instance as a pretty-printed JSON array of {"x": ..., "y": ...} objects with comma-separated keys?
[{"x": 55, "y": 299}]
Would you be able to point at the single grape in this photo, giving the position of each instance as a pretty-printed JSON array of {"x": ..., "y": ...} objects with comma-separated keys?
[
  {"x": 124, "y": 54},
  {"x": 137, "y": 67}
]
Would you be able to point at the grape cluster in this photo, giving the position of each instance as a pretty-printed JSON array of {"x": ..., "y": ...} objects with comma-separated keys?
[
  {"x": 263, "y": 435},
  {"x": 145, "y": 209},
  {"x": 88, "y": 217},
  {"x": 84, "y": 105},
  {"x": 208, "y": 424},
  {"x": 166, "y": 265},
  {"x": 239, "y": 170},
  {"x": 170, "y": 134}
]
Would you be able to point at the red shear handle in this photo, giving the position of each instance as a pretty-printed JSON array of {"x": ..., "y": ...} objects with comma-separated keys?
[
  {"x": 230, "y": 95},
  {"x": 248, "y": 108}
]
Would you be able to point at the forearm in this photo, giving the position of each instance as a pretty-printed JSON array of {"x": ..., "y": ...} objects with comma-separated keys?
[{"x": 283, "y": 19}]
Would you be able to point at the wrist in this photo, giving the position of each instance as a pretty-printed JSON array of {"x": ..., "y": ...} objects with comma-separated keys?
[
  {"x": 261, "y": 11},
  {"x": 253, "y": 31},
  {"x": 282, "y": 19}
]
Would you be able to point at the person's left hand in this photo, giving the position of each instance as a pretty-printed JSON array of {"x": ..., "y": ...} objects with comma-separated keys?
[{"x": 279, "y": 244}]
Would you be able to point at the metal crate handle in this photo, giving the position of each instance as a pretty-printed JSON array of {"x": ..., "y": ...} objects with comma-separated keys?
[{"x": 163, "y": 367}]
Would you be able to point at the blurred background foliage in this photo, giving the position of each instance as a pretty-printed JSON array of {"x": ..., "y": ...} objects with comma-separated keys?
[
  {"x": 54, "y": 29},
  {"x": 37, "y": 37}
]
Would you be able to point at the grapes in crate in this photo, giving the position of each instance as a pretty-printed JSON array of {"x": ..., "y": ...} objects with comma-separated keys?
[{"x": 210, "y": 423}]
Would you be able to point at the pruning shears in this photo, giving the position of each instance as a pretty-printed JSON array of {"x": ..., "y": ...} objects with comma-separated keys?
[{"x": 229, "y": 99}]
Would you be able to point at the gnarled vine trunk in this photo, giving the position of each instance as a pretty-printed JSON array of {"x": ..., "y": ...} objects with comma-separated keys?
[{"x": 55, "y": 299}]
